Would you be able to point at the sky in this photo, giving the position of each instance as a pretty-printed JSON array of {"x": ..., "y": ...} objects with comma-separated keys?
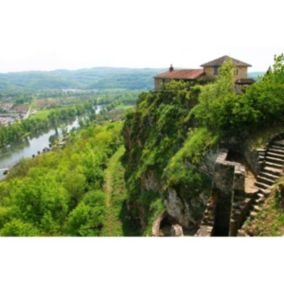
[{"x": 73, "y": 34}]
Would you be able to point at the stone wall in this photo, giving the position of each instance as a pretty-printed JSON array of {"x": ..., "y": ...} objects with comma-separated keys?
[
  {"x": 228, "y": 175},
  {"x": 241, "y": 72},
  {"x": 229, "y": 178},
  {"x": 254, "y": 159}
]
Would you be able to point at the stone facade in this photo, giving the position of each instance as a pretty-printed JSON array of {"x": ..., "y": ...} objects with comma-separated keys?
[
  {"x": 159, "y": 82},
  {"x": 240, "y": 73}
]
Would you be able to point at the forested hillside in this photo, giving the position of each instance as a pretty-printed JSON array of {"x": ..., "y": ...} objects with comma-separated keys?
[
  {"x": 99, "y": 78},
  {"x": 63, "y": 192},
  {"x": 95, "y": 78}
]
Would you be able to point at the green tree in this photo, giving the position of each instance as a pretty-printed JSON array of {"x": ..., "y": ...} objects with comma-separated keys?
[
  {"x": 87, "y": 218},
  {"x": 17, "y": 227}
]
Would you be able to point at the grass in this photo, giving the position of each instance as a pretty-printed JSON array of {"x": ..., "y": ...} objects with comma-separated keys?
[
  {"x": 270, "y": 220},
  {"x": 115, "y": 195}
]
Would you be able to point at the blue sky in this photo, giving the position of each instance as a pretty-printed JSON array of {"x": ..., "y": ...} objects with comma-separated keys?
[{"x": 72, "y": 34}]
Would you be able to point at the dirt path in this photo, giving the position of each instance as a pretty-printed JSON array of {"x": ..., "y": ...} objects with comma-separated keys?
[{"x": 113, "y": 186}]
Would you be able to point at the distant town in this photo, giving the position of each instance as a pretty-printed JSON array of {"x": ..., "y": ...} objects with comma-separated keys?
[{"x": 10, "y": 112}]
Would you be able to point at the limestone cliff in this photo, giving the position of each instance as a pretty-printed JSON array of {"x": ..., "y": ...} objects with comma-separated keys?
[{"x": 167, "y": 163}]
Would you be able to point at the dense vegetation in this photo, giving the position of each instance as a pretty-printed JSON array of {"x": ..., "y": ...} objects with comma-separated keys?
[
  {"x": 227, "y": 113},
  {"x": 170, "y": 131},
  {"x": 156, "y": 135},
  {"x": 62, "y": 192},
  {"x": 80, "y": 190}
]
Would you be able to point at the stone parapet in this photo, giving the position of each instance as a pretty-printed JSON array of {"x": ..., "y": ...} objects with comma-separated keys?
[{"x": 229, "y": 175}]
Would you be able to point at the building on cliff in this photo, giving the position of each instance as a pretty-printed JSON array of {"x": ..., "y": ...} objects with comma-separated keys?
[{"x": 209, "y": 71}]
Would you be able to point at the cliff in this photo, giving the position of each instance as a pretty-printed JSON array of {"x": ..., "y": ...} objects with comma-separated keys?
[
  {"x": 174, "y": 137},
  {"x": 166, "y": 166}
]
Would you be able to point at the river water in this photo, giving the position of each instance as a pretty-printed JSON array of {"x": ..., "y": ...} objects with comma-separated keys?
[{"x": 9, "y": 157}]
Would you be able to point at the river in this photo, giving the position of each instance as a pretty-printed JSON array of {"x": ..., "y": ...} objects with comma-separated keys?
[{"x": 9, "y": 157}]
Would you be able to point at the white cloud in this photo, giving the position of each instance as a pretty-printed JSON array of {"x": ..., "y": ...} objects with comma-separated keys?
[{"x": 50, "y": 34}]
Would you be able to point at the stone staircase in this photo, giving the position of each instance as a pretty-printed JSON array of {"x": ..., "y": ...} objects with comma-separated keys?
[
  {"x": 207, "y": 222},
  {"x": 247, "y": 205},
  {"x": 271, "y": 170},
  {"x": 241, "y": 209}
]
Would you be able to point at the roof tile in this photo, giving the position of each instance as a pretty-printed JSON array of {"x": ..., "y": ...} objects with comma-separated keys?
[{"x": 181, "y": 74}]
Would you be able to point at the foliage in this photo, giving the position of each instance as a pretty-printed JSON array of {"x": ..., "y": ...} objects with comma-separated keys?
[
  {"x": 154, "y": 133},
  {"x": 87, "y": 218},
  {"x": 270, "y": 220},
  {"x": 17, "y": 228},
  {"x": 188, "y": 178},
  {"x": 60, "y": 192},
  {"x": 95, "y": 78},
  {"x": 224, "y": 111}
]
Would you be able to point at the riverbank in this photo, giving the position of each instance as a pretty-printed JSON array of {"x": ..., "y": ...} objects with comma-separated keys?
[{"x": 32, "y": 146}]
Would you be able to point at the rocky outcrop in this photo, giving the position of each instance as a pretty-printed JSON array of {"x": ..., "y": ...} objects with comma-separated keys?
[{"x": 179, "y": 209}]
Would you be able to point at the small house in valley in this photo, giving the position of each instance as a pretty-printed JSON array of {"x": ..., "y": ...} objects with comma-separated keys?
[{"x": 209, "y": 71}]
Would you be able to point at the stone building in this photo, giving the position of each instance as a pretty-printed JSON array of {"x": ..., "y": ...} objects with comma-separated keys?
[{"x": 209, "y": 71}]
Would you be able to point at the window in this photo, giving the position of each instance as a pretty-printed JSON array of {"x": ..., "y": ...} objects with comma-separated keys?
[{"x": 237, "y": 72}]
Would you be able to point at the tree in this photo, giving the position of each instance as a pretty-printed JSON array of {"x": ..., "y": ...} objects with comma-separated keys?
[
  {"x": 213, "y": 95},
  {"x": 87, "y": 218},
  {"x": 17, "y": 227}
]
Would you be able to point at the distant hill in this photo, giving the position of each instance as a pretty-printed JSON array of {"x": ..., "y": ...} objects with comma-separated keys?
[
  {"x": 255, "y": 75},
  {"x": 94, "y": 78},
  {"x": 99, "y": 78}
]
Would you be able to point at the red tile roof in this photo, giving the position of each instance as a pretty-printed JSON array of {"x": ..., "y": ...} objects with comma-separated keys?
[{"x": 185, "y": 74}]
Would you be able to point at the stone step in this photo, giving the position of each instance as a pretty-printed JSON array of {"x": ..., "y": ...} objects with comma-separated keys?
[
  {"x": 269, "y": 175},
  {"x": 261, "y": 185},
  {"x": 276, "y": 150},
  {"x": 265, "y": 191},
  {"x": 260, "y": 195},
  {"x": 268, "y": 181},
  {"x": 253, "y": 214},
  {"x": 271, "y": 159},
  {"x": 276, "y": 155},
  {"x": 259, "y": 201},
  {"x": 274, "y": 171},
  {"x": 278, "y": 143},
  {"x": 256, "y": 208},
  {"x": 276, "y": 147},
  {"x": 273, "y": 165},
  {"x": 247, "y": 200}
]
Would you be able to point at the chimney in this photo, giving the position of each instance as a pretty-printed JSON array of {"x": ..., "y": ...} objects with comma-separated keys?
[{"x": 171, "y": 69}]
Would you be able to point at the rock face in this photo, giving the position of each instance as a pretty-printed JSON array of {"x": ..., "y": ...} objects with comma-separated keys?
[
  {"x": 179, "y": 209},
  {"x": 176, "y": 230},
  {"x": 154, "y": 134},
  {"x": 254, "y": 158},
  {"x": 156, "y": 232}
]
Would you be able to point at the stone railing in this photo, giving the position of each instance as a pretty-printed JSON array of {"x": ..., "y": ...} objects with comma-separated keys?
[{"x": 229, "y": 175}]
